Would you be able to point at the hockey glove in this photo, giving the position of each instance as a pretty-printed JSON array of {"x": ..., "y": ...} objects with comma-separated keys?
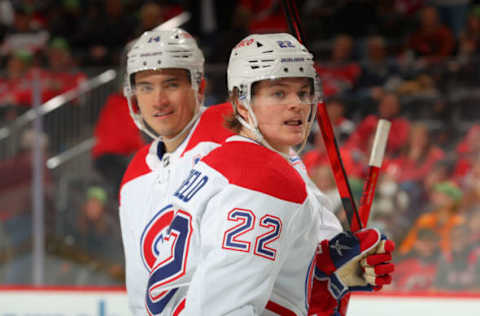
[{"x": 359, "y": 261}]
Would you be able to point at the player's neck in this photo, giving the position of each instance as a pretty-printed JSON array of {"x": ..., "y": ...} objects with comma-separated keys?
[{"x": 172, "y": 144}]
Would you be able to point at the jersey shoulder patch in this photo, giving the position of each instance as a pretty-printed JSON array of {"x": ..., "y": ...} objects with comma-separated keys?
[
  {"x": 257, "y": 168},
  {"x": 138, "y": 166},
  {"x": 211, "y": 126}
]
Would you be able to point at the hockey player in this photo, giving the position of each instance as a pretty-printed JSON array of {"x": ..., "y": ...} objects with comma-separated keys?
[
  {"x": 165, "y": 89},
  {"x": 249, "y": 228}
]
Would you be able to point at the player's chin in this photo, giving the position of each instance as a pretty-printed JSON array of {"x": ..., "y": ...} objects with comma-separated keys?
[{"x": 294, "y": 139}]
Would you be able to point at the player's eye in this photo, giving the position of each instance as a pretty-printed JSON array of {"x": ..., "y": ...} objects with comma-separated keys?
[
  {"x": 172, "y": 85},
  {"x": 279, "y": 94},
  {"x": 304, "y": 95},
  {"x": 143, "y": 88}
]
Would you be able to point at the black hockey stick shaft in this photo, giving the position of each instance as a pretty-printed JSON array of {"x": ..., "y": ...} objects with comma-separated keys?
[{"x": 338, "y": 169}]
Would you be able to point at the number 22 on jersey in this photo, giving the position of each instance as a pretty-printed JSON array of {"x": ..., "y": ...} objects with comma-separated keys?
[
  {"x": 245, "y": 219},
  {"x": 172, "y": 266}
]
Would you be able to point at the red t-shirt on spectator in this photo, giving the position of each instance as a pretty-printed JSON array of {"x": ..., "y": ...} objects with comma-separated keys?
[
  {"x": 412, "y": 170},
  {"x": 465, "y": 149},
  {"x": 115, "y": 131},
  {"x": 267, "y": 16},
  {"x": 338, "y": 77},
  {"x": 400, "y": 129},
  {"x": 439, "y": 43}
]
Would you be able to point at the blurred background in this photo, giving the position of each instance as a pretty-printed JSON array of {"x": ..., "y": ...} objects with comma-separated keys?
[{"x": 66, "y": 136}]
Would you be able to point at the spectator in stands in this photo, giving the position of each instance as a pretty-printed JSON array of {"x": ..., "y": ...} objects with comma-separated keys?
[
  {"x": 420, "y": 195},
  {"x": 316, "y": 156},
  {"x": 339, "y": 73},
  {"x": 18, "y": 63},
  {"x": 473, "y": 221},
  {"x": 62, "y": 69},
  {"x": 470, "y": 36},
  {"x": 389, "y": 108},
  {"x": 432, "y": 41},
  {"x": 458, "y": 268},
  {"x": 26, "y": 33},
  {"x": 377, "y": 68},
  {"x": 389, "y": 211},
  {"x": 104, "y": 31},
  {"x": 264, "y": 16},
  {"x": 453, "y": 13},
  {"x": 19, "y": 80},
  {"x": 418, "y": 156},
  {"x": 151, "y": 15},
  {"x": 467, "y": 151},
  {"x": 342, "y": 126},
  {"x": 417, "y": 269},
  {"x": 395, "y": 20},
  {"x": 16, "y": 206},
  {"x": 471, "y": 185},
  {"x": 115, "y": 146},
  {"x": 96, "y": 234},
  {"x": 444, "y": 215},
  {"x": 323, "y": 178},
  {"x": 217, "y": 25},
  {"x": 63, "y": 18}
]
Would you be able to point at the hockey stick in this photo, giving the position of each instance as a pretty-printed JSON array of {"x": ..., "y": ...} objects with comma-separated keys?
[
  {"x": 375, "y": 163},
  {"x": 291, "y": 13},
  {"x": 356, "y": 222},
  {"x": 174, "y": 22}
]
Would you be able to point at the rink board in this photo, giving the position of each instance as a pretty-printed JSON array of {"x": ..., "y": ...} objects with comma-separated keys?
[{"x": 15, "y": 301}]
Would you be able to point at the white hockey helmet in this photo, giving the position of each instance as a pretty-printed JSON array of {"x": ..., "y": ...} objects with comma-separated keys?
[
  {"x": 160, "y": 49},
  {"x": 265, "y": 57}
]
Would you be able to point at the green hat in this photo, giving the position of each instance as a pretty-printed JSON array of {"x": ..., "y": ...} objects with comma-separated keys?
[
  {"x": 98, "y": 193},
  {"x": 24, "y": 55},
  {"x": 60, "y": 43},
  {"x": 475, "y": 11},
  {"x": 449, "y": 188}
]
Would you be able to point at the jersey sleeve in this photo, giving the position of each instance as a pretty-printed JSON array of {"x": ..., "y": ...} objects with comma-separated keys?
[
  {"x": 129, "y": 215},
  {"x": 245, "y": 238},
  {"x": 128, "y": 239}
]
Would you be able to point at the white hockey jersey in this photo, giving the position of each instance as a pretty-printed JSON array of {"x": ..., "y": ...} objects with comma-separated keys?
[
  {"x": 151, "y": 177},
  {"x": 246, "y": 223}
]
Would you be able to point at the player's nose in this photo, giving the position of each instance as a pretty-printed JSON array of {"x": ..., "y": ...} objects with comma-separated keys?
[{"x": 161, "y": 97}]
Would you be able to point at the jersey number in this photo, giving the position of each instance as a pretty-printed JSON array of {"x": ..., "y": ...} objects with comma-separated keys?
[
  {"x": 246, "y": 222},
  {"x": 172, "y": 267}
]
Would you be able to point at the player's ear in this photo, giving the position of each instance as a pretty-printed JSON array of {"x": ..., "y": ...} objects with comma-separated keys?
[{"x": 238, "y": 105}]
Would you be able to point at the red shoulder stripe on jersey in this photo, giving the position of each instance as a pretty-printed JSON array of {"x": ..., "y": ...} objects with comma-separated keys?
[
  {"x": 210, "y": 127},
  {"x": 137, "y": 167},
  {"x": 279, "y": 309},
  {"x": 257, "y": 168}
]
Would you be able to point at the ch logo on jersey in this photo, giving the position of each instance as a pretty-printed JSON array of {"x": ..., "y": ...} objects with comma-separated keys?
[
  {"x": 153, "y": 236},
  {"x": 171, "y": 263}
]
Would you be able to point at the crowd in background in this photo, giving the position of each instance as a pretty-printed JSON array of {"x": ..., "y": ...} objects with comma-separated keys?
[{"x": 414, "y": 62}]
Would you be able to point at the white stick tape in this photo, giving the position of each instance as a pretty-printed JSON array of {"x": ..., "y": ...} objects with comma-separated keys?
[
  {"x": 379, "y": 143},
  {"x": 174, "y": 22}
]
